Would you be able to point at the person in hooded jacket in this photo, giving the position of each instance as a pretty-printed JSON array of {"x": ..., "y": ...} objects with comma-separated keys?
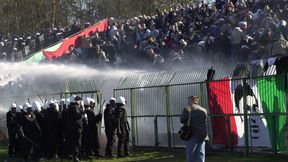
[
  {"x": 122, "y": 128},
  {"x": 279, "y": 46},
  {"x": 12, "y": 127},
  {"x": 30, "y": 133}
]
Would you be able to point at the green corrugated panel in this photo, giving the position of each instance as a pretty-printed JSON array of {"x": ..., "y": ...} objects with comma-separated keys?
[{"x": 177, "y": 77}]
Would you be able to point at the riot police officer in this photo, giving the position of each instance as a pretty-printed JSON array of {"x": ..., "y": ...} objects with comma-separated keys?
[
  {"x": 109, "y": 121},
  {"x": 12, "y": 133},
  {"x": 52, "y": 121},
  {"x": 75, "y": 126},
  {"x": 36, "y": 106},
  {"x": 29, "y": 132},
  {"x": 91, "y": 139},
  {"x": 122, "y": 128}
]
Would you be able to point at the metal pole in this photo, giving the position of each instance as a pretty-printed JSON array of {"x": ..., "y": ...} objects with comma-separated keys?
[
  {"x": 156, "y": 130},
  {"x": 133, "y": 117},
  {"x": 229, "y": 134},
  {"x": 168, "y": 113},
  {"x": 274, "y": 134},
  {"x": 245, "y": 118},
  {"x": 202, "y": 95}
]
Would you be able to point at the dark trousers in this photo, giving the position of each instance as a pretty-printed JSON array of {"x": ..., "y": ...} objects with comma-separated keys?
[
  {"x": 95, "y": 144},
  {"x": 12, "y": 148},
  {"x": 52, "y": 145},
  {"x": 76, "y": 138},
  {"x": 25, "y": 146},
  {"x": 123, "y": 140},
  {"x": 110, "y": 141}
]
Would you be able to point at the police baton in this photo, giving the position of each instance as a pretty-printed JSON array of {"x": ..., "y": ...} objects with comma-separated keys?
[
  {"x": 101, "y": 106},
  {"x": 40, "y": 98},
  {"x": 30, "y": 141}
]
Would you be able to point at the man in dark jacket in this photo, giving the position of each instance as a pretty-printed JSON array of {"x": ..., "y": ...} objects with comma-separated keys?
[
  {"x": 12, "y": 133},
  {"x": 109, "y": 121},
  {"x": 122, "y": 127}
]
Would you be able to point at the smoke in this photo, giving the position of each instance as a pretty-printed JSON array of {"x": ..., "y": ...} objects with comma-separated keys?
[
  {"x": 17, "y": 75},
  {"x": 18, "y": 81},
  {"x": 60, "y": 71}
]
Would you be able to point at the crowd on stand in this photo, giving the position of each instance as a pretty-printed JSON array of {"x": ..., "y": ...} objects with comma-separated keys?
[
  {"x": 230, "y": 31},
  {"x": 67, "y": 129},
  {"x": 233, "y": 31},
  {"x": 17, "y": 48}
]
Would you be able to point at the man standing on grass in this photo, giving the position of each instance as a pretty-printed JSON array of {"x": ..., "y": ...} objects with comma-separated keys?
[{"x": 195, "y": 146}]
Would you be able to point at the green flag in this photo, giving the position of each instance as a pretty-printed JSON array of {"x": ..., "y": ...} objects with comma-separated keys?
[
  {"x": 37, "y": 57},
  {"x": 273, "y": 99}
]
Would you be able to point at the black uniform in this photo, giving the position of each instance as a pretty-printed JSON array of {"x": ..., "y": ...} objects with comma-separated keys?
[
  {"x": 74, "y": 129},
  {"x": 64, "y": 124},
  {"x": 91, "y": 139},
  {"x": 109, "y": 121},
  {"x": 122, "y": 129},
  {"x": 52, "y": 120},
  {"x": 61, "y": 136},
  {"x": 43, "y": 138},
  {"x": 12, "y": 132},
  {"x": 29, "y": 132}
]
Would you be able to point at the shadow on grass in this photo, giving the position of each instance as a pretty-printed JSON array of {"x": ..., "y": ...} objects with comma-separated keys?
[{"x": 164, "y": 155}]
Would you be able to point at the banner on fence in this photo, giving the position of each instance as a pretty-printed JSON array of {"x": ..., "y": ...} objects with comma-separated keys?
[{"x": 265, "y": 95}]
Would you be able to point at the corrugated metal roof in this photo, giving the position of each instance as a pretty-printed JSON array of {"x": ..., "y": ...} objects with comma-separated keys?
[
  {"x": 174, "y": 77},
  {"x": 34, "y": 89},
  {"x": 193, "y": 75}
]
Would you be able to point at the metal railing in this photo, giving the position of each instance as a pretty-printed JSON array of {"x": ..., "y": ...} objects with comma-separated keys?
[{"x": 154, "y": 112}]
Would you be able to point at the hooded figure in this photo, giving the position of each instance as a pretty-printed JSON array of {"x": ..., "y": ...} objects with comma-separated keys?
[
  {"x": 122, "y": 127},
  {"x": 12, "y": 127}
]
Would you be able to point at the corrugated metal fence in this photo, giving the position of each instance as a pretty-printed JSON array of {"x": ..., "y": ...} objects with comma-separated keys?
[{"x": 155, "y": 102}]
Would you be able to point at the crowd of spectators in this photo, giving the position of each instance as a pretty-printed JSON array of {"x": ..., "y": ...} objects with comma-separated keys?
[
  {"x": 17, "y": 48},
  {"x": 228, "y": 30}
]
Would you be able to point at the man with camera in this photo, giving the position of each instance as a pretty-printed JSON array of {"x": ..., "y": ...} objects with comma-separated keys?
[{"x": 195, "y": 117}]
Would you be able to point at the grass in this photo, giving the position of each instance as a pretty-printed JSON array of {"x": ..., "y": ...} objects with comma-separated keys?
[{"x": 161, "y": 155}]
